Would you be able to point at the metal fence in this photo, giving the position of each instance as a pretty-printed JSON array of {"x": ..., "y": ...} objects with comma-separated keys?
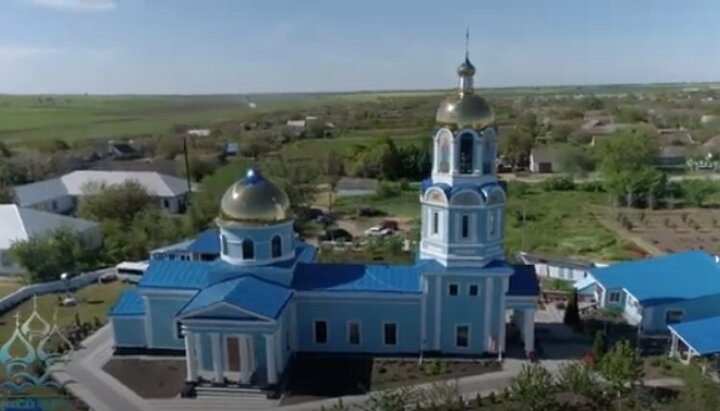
[{"x": 11, "y": 300}]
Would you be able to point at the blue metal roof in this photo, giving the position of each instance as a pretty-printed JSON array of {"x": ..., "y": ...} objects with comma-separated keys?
[
  {"x": 207, "y": 242},
  {"x": 129, "y": 303},
  {"x": 524, "y": 282},
  {"x": 357, "y": 277},
  {"x": 180, "y": 274},
  {"x": 703, "y": 336},
  {"x": 659, "y": 280},
  {"x": 248, "y": 293}
]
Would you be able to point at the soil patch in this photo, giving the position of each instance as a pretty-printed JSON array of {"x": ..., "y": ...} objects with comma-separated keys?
[
  {"x": 313, "y": 377},
  {"x": 149, "y": 378}
]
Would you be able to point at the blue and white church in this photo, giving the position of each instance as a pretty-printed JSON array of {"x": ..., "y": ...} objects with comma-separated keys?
[{"x": 250, "y": 296}]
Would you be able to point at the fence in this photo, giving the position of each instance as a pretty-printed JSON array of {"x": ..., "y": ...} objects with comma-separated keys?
[{"x": 11, "y": 300}]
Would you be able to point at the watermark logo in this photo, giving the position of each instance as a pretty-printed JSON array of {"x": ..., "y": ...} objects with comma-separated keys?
[{"x": 27, "y": 359}]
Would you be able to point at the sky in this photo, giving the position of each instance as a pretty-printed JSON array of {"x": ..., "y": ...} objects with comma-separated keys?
[{"x": 258, "y": 46}]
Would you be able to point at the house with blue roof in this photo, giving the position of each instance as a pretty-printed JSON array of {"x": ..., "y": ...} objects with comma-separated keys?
[
  {"x": 661, "y": 291},
  {"x": 259, "y": 297}
]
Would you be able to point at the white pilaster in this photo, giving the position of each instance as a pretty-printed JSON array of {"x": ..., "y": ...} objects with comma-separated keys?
[
  {"x": 270, "y": 359},
  {"x": 673, "y": 345},
  {"x": 529, "y": 330},
  {"x": 190, "y": 356},
  {"x": 217, "y": 360},
  {"x": 502, "y": 325},
  {"x": 245, "y": 360},
  {"x": 488, "y": 310}
]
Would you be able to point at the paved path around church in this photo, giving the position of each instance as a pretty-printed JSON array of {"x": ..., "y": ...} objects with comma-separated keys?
[{"x": 86, "y": 379}]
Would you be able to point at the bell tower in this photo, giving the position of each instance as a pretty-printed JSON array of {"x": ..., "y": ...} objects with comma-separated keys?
[{"x": 463, "y": 202}]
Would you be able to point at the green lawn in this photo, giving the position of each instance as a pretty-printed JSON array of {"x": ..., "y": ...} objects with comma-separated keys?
[
  {"x": 94, "y": 300},
  {"x": 557, "y": 223},
  {"x": 9, "y": 286}
]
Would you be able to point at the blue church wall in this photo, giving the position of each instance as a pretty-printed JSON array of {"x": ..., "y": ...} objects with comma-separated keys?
[
  {"x": 163, "y": 325},
  {"x": 695, "y": 309},
  {"x": 261, "y": 237},
  {"x": 463, "y": 309},
  {"x": 129, "y": 331},
  {"x": 370, "y": 314}
]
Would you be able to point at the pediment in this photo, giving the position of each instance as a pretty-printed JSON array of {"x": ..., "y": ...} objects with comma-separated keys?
[{"x": 225, "y": 311}]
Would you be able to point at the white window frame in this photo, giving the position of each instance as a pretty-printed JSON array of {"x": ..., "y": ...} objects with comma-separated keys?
[
  {"x": 327, "y": 332},
  {"x": 397, "y": 334},
  {"x": 468, "y": 336},
  {"x": 473, "y": 285},
  {"x": 492, "y": 229},
  {"x": 614, "y": 293},
  {"x": 675, "y": 310},
  {"x": 457, "y": 287},
  {"x": 433, "y": 215},
  {"x": 349, "y": 333}
]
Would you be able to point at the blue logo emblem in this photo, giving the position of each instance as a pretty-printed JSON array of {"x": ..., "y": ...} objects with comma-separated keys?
[{"x": 26, "y": 359}]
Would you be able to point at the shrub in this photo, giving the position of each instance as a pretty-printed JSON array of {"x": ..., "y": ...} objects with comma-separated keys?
[{"x": 558, "y": 184}]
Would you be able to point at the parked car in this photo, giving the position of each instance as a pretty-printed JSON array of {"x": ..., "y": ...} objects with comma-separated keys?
[
  {"x": 336, "y": 234},
  {"x": 378, "y": 231}
]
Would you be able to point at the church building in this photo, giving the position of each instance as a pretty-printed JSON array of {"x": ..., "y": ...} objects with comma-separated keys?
[{"x": 240, "y": 318}]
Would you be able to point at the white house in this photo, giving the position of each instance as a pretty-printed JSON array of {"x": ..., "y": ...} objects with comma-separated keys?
[
  {"x": 553, "y": 267},
  {"x": 60, "y": 195},
  {"x": 18, "y": 224}
]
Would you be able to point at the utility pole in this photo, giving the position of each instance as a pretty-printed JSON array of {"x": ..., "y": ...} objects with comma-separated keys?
[{"x": 187, "y": 170}]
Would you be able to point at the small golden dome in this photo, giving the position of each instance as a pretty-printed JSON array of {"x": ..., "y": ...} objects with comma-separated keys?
[
  {"x": 466, "y": 68},
  {"x": 255, "y": 200},
  {"x": 465, "y": 110}
]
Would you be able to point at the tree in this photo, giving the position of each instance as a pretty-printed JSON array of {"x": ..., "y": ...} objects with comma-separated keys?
[
  {"x": 696, "y": 191},
  {"x": 6, "y": 194},
  {"x": 46, "y": 257},
  {"x": 516, "y": 146},
  {"x": 5, "y": 150},
  {"x": 627, "y": 165},
  {"x": 533, "y": 388},
  {"x": 120, "y": 202},
  {"x": 572, "y": 313},
  {"x": 621, "y": 367},
  {"x": 598, "y": 347},
  {"x": 577, "y": 379},
  {"x": 575, "y": 160},
  {"x": 298, "y": 179}
]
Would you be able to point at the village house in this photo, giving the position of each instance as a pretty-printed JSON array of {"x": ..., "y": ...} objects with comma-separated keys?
[
  {"x": 353, "y": 187},
  {"x": 544, "y": 160},
  {"x": 20, "y": 224},
  {"x": 660, "y": 291},
  {"x": 60, "y": 195}
]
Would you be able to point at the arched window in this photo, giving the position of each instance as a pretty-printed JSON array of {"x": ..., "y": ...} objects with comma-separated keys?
[
  {"x": 276, "y": 246},
  {"x": 492, "y": 225},
  {"x": 223, "y": 245},
  {"x": 248, "y": 249},
  {"x": 488, "y": 158},
  {"x": 465, "y": 227},
  {"x": 467, "y": 148},
  {"x": 444, "y": 155}
]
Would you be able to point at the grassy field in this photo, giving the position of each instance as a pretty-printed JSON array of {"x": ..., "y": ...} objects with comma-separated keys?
[
  {"x": 94, "y": 301},
  {"x": 8, "y": 286},
  {"x": 28, "y": 119},
  {"x": 556, "y": 223}
]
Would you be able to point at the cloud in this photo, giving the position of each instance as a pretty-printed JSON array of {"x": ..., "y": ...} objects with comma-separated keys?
[{"x": 76, "y": 5}]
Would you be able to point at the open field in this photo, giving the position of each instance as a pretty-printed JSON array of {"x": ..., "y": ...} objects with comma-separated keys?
[
  {"x": 8, "y": 286},
  {"x": 94, "y": 300},
  {"x": 675, "y": 230},
  {"x": 556, "y": 223}
]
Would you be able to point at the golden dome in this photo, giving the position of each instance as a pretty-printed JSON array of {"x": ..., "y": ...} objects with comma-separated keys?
[
  {"x": 255, "y": 200},
  {"x": 466, "y": 68},
  {"x": 465, "y": 110}
]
